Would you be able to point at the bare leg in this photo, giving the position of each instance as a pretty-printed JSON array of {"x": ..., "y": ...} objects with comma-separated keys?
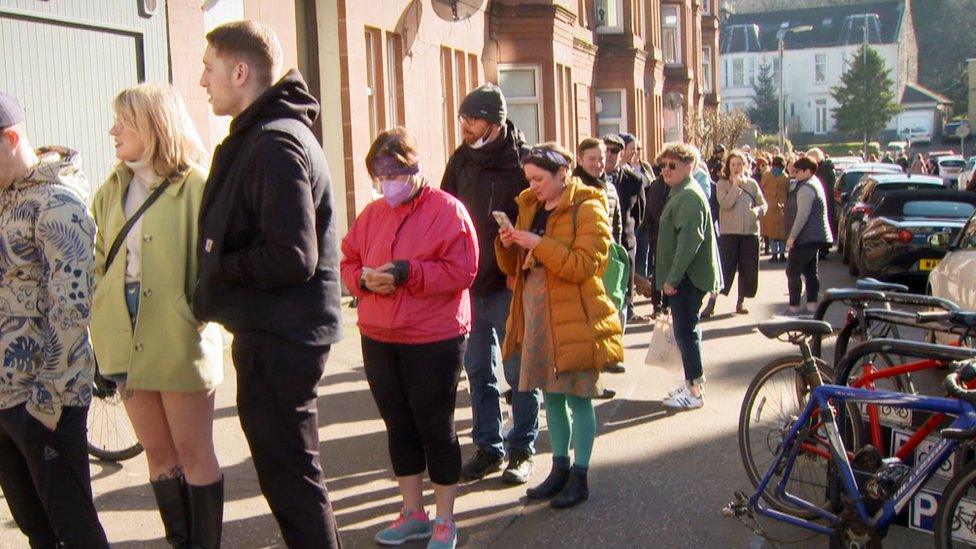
[
  {"x": 412, "y": 493},
  {"x": 190, "y": 419},
  {"x": 148, "y": 416},
  {"x": 444, "y": 497}
]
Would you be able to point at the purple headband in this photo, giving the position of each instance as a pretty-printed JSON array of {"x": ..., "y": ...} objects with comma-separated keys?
[{"x": 387, "y": 166}]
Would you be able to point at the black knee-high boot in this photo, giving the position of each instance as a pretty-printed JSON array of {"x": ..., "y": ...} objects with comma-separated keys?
[
  {"x": 207, "y": 512},
  {"x": 172, "y": 499}
]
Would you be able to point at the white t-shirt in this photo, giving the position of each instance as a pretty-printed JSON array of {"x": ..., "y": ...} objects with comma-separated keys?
[{"x": 134, "y": 198}]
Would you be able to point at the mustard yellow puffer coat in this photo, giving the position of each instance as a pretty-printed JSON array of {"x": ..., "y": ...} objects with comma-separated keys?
[{"x": 585, "y": 327}]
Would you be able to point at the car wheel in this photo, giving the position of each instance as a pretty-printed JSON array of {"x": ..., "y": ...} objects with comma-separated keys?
[{"x": 846, "y": 254}]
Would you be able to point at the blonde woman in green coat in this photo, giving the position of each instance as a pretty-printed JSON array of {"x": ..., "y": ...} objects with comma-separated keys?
[{"x": 167, "y": 364}]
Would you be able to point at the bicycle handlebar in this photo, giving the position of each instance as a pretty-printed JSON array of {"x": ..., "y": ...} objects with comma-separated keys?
[{"x": 954, "y": 386}]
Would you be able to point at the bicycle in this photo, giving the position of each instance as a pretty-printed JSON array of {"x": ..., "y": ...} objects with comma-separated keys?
[
  {"x": 869, "y": 509},
  {"x": 781, "y": 389},
  {"x": 110, "y": 433}
]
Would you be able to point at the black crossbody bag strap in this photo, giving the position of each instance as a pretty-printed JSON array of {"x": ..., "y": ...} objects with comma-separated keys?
[{"x": 120, "y": 238}]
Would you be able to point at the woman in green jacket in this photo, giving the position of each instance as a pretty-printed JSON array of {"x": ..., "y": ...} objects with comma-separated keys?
[{"x": 166, "y": 363}]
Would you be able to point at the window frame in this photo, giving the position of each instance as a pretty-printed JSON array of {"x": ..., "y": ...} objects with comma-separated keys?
[
  {"x": 375, "y": 69},
  {"x": 536, "y": 100},
  {"x": 820, "y": 116},
  {"x": 618, "y": 7},
  {"x": 678, "y": 54},
  {"x": 621, "y": 121},
  {"x": 817, "y": 65},
  {"x": 742, "y": 72},
  {"x": 393, "y": 72},
  {"x": 708, "y": 76}
]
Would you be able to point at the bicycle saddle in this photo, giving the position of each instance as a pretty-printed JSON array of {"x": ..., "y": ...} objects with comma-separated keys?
[
  {"x": 878, "y": 286},
  {"x": 775, "y": 328},
  {"x": 853, "y": 294}
]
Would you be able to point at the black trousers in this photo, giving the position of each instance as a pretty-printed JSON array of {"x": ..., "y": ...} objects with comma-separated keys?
[
  {"x": 803, "y": 261},
  {"x": 740, "y": 253},
  {"x": 45, "y": 478},
  {"x": 415, "y": 389},
  {"x": 276, "y": 402}
]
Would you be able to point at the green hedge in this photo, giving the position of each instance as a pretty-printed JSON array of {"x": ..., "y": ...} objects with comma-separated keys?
[{"x": 841, "y": 149}]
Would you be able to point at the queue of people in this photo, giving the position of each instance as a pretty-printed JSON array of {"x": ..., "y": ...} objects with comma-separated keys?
[{"x": 500, "y": 267}]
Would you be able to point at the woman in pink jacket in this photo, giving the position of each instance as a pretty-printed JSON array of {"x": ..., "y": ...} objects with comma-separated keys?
[{"x": 410, "y": 258}]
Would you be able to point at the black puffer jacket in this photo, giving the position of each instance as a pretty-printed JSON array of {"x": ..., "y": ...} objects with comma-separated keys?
[
  {"x": 268, "y": 250},
  {"x": 630, "y": 191},
  {"x": 485, "y": 180},
  {"x": 613, "y": 202}
]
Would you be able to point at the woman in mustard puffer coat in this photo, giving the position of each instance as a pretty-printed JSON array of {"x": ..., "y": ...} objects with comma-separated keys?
[{"x": 561, "y": 323}]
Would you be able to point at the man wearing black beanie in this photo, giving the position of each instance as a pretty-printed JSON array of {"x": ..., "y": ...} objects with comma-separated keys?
[{"x": 484, "y": 173}]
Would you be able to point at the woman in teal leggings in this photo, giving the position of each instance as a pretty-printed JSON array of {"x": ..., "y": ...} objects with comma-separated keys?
[{"x": 562, "y": 323}]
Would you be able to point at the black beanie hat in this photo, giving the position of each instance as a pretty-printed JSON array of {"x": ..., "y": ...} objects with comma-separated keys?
[{"x": 485, "y": 102}]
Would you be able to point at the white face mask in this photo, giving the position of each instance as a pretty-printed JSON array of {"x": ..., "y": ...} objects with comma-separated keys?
[{"x": 483, "y": 140}]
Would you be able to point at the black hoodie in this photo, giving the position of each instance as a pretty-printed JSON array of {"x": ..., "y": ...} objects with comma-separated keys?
[
  {"x": 484, "y": 180},
  {"x": 268, "y": 250}
]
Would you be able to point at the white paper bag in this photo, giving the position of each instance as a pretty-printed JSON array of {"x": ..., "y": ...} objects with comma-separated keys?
[{"x": 663, "y": 350}]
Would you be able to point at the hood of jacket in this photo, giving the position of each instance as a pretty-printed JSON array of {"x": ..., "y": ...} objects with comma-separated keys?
[
  {"x": 287, "y": 98},
  {"x": 59, "y": 166},
  {"x": 504, "y": 152}
]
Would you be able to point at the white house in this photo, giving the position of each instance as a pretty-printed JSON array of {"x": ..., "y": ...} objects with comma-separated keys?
[{"x": 815, "y": 59}]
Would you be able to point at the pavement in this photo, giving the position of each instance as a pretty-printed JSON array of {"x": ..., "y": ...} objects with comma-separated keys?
[{"x": 657, "y": 478}]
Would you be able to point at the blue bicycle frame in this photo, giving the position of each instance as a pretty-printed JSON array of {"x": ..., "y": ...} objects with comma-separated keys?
[{"x": 919, "y": 474}]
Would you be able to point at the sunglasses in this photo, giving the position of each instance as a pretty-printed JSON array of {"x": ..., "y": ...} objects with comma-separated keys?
[
  {"x": 546, "y": 154},
  {"x": 670, "y": 165}
]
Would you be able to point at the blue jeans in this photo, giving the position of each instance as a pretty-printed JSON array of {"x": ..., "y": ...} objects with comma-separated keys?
[
  {"x": 777, "y": 246},
  {"x": 687, "y": 333},
  {"x": 643, "y": 253},
  {"x": 489, "y": 314}
]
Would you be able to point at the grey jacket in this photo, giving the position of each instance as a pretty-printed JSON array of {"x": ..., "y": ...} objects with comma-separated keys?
[{"x": 740, "y": 208}]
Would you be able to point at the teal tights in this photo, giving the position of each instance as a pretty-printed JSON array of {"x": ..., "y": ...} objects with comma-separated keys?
[{"x": 582, "y": 431}]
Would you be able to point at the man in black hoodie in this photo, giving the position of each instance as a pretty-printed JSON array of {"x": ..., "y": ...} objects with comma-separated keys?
[
  {"x": 269, "y": 268},
  {"x": 484, "y": 173},
  {"x": 630, "y": 191}
]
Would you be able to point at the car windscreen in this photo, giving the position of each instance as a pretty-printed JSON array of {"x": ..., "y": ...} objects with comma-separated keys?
[
  {"x": 937, "y": 208},
  {"x": 952, "y": 163},
  {"x": 850, "y": 179}
]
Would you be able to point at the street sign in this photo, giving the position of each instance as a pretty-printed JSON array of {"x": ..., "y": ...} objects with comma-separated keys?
[{"x": 963, "y": 130}]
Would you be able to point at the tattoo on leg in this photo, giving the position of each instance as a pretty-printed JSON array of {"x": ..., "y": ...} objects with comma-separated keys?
[{"x": 175, "y": 472}]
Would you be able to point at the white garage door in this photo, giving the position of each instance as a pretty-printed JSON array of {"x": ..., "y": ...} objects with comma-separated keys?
[{"x": 915, "y": 119}]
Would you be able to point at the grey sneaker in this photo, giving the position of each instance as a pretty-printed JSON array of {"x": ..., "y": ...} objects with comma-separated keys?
[
  {"x": 407, "y": 527},
  {"x": 519, "y": 467}
]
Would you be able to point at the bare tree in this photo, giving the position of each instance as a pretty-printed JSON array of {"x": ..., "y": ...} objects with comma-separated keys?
[{"x": 710, "y": 127}]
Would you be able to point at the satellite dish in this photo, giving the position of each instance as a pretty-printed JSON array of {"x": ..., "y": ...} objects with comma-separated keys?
[{"x": 456, "y": 10}]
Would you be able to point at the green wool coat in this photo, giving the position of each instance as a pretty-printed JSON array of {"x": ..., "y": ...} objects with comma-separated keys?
[{"x": 168, "y": 350}]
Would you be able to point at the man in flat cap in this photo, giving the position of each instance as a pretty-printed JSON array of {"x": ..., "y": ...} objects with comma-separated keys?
[
  {"x": 46, "y": 278},
  {"x": 485, "y": 175}
]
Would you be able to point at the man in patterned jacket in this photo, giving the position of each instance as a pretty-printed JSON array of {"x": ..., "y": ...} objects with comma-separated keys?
[{"x": 46, "y": 263}]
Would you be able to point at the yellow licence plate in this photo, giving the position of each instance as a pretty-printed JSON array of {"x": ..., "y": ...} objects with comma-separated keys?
[{"x": 927, "y": 264}]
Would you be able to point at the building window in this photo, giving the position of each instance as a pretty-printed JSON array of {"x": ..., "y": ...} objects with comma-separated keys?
[
  {"x": 671, "y": 34},
  {"x": 394, "y": 79},
  {"x": 707, "y": 7},
  {"x": 752, "y": 71},
  {"x": 609, "y": 16},
  {"x": 520, "y": 84},
  {"x": 706, "y": 69},
  {"x": 725, "y": 73},
  {"x": 738, "y": 78},
  {"x": 566, "y": 127},
  {"x": 674, "y": 114},
  {"x": 472, "y": 71},
  {"x": 611, "y": 111},
  {"x": 374, "y": 91},
  {"x": 820, "y": 68},
  {"x": 821, "y": 114}
]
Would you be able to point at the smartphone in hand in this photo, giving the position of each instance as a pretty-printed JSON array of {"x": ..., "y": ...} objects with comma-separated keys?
[{"x": 502, "y": 219}]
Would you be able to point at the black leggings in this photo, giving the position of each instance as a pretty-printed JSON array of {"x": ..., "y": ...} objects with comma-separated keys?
[
  {"x": 803, "y": 261},
  {"x": 415, "y": 389}
]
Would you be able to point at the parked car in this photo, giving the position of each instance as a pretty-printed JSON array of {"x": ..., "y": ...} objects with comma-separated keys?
[
  {"x": 915, "y": 135},
  {"x": 954, "y": 278},
  {"x": 903, "y": 236},
  {"x": 950, "y": 169},
  {"x": 852, "y": 175},
  {"x": 865, "y": 198},
  {"x": 966, "y": 177},
  {"x": 842, "y": 163}
]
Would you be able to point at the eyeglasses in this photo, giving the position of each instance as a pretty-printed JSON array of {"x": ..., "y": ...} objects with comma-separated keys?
[
  {"x": 466, "y": 120},
  {"x": 546, "y": 154}
]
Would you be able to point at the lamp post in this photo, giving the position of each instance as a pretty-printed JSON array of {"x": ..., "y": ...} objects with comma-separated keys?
[{"x": 781, "y": 38}]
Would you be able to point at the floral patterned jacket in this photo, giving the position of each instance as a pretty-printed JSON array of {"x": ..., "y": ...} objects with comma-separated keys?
[{"x": 46, "y": 263}]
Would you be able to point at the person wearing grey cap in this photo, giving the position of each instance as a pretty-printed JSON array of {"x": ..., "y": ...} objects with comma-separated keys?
[
  {"x": 46, "y": 374},
  {"x": 485, "y": 174}
]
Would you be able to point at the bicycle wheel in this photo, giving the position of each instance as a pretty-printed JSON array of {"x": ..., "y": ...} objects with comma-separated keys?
[
  {"x": 955, "y": 524},
  {"x": 772, "y": 404},
  {"x": 110, "y": 433}
]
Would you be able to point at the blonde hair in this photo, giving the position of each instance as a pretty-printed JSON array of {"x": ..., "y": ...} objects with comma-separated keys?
[
  {"x": 157, "y": 113},
  {"x": 680, "y": 151},
  {"x": 816, "y": 155}
]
